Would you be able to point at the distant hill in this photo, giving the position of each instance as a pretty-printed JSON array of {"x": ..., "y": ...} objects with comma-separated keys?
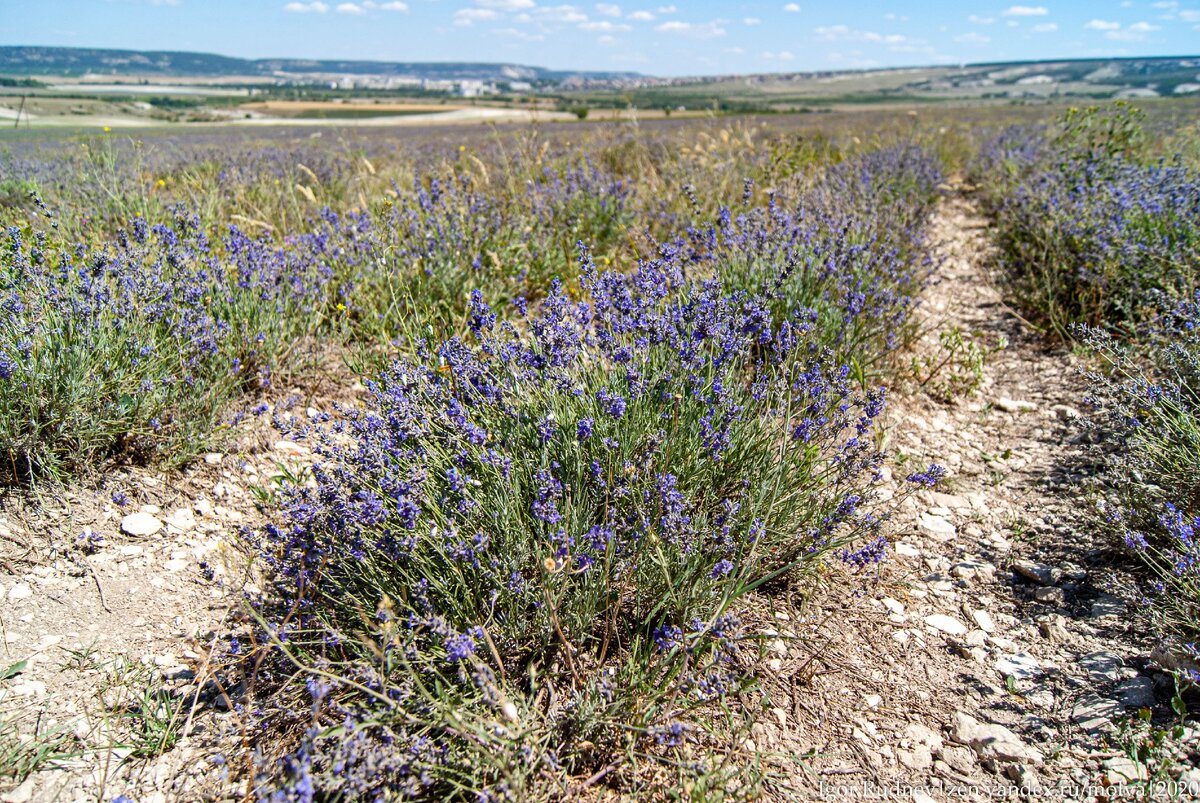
[
  {"x": 1135, "y": 77},
  {"x": 78, "y": 61},
  {"x": 1101, "y": 78},
  {"x": 1061, "y": 79}
]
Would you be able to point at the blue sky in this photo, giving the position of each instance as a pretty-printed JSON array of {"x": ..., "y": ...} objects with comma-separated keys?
[{"x": 686, "y": 37}]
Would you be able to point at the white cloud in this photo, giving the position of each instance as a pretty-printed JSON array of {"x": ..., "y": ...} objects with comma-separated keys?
[
  {"x": 792, "y": 8},
  {"x": 978, "y": 20},
  {"x": 701, "y": 30},
  {"x": 641, "y": 16},
  {"x": 524, "y": 36},
  {"x": 315, "y": 7},
  {"x": 1166, "y": 4},
  {"x": 567, "y": 15},
  {"x": 1189, "y": 15},
  {"x": 666, "y": 9},
  {"x": 350, "y": 8},
  {"x": 833, "y": 33},
  {"x": 783, "y": 55},
  {"x": 608, "y": 10},
  {"x": 1045, "y": 27},
  {"x": 506, "y": 5},
  {"x": 467, "y": 16},
  {"x": 1025, "y": 11},
  {"x": 1112, "y": 30},
  {"x": 972, "y": 38},
  {"x": 396, "y": 5},
  {"x": 604, "y": 26},
  {"x": 752, "y": 21}
]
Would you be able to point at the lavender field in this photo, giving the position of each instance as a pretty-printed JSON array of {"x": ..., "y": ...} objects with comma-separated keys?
[{"x": 703, "y": 459}]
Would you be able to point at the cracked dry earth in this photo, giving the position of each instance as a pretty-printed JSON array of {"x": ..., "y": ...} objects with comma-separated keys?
[{"x": 987, "y": 659}]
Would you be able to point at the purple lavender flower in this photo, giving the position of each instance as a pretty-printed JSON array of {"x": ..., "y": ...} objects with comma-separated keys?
[
  {"x": 666, "y": 637},
  {"x": 722, "y": 568},
  {"x": 549, "y": 490},
  {"x": 482, "y": 319},
  {"x": 612, "y": 403},
  {"x": 671, "y": 735},
  {"x": 869, "y": 554},
  {"x": 90, "y": 541},
  {"x": 929, "y": 477},
  {"x": 459, "y": 647}
]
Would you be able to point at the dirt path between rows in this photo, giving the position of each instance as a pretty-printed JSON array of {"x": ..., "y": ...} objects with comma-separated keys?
[{"x": 988, "y": 661}]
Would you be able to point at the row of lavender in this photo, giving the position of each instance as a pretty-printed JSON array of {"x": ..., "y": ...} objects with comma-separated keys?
[
  {"x": 518, "y": 570},
  {"x": 135, "y": 346},
  {"x": 128, "y": 335},
  {"x": 597, "y": 417},
  {"x": 1101, "y": 242}
]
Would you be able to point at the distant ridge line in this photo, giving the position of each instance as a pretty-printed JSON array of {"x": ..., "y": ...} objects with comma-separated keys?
[{"x": 77, "y": 61}]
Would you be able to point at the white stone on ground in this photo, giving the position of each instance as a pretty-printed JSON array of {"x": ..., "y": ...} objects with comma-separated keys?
[
  {"x": 946, "y": 624},
  {"x": 990, "y": 740},
  {"x": 140, "y": 524}
]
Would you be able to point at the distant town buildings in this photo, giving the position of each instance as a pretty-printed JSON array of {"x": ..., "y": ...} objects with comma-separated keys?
[{"x": 465, "y": 87}]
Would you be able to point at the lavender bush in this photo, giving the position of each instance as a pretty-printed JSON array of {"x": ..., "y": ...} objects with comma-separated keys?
[
  {"x": 850, "y": 250},
  {"x": 135, "y": 347},
  {"x": 564, "y": 508},
  {"x": 1147, "y": 402},
  {"x": 414, "y": 263},
  {"x": 1087, "y": 232}
]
